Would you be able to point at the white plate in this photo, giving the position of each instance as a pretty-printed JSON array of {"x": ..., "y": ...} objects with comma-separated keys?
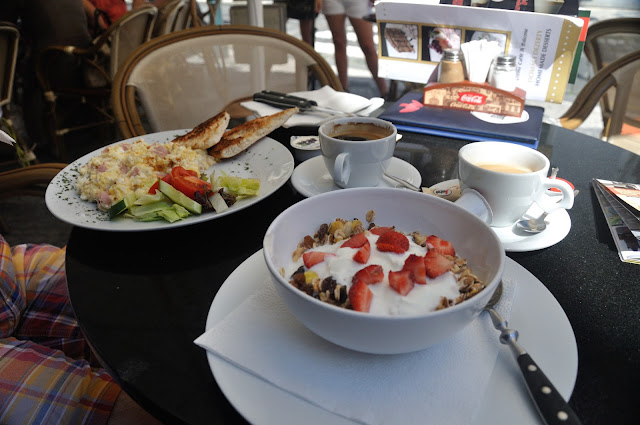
[
  {"x": 513, "y": 239},
  {"x": 267, "y": 160},
  {"x": 312, "y": 177},
  {"x": 544, "y": 329}
]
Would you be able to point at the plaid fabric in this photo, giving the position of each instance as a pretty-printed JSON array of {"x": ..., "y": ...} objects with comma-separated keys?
[
  {"x": 39, "y": 385},
  {"x": 44, "y": 373}
]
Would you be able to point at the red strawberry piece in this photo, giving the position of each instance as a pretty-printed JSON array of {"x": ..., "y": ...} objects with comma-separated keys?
[
  {"x": 393, "y": 241},
  {"x": 440, "y": 245},
  {"x": 362, "y": 256},
  {"x": 311, "y": 258},
  {"x": 415, "y": 265},
  {"x": 401, "y": 281},
  {"x": 360, "y": 296},
  {"x": 355, "y": 241},
  {"x": 368, "y": 275},
  {"x": 436, "y": 264},
  {"x": 380, "y": 230}
]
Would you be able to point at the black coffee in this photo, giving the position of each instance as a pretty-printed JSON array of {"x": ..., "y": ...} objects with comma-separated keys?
[{"x": 352, "y": 138}]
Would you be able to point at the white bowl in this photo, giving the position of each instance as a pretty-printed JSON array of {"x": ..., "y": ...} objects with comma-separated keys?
[{"x": 408, "y": 211}]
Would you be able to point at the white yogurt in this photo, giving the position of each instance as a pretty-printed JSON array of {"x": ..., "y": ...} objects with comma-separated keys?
[{"x": 386, "y": 301}]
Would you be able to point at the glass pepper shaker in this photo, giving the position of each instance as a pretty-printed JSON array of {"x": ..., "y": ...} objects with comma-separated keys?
[
  {"x": 451, "y": 69},
  {"x": 503, "y": 73}
]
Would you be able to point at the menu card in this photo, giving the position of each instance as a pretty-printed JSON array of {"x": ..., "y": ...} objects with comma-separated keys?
[
  {"x": 408, "y": 113},
  {"x": 620, "y": 203},
  {"x": 414, "y": 33}
]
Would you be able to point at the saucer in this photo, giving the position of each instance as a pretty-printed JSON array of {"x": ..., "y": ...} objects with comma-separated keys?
[
  {"x": 513, "y": 239},
  {"x": 312, "y": 177}
]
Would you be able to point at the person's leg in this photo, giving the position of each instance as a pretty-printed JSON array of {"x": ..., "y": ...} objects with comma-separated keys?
[
  {"x": 339, "y": 34},
  {"x": 306, "y": 30},
  {"x": 364, "y": 32},
  {"x": 42, "y": 385},
  {"x": 47, "y": 354}
]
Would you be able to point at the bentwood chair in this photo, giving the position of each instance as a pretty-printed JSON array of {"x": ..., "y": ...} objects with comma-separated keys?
[
  {"x": 31, "y": 180},
  {"x": 606, "y": 42},
  {"x": 181, "y": 79},
  {"x": 9, "y": 37},
  {"x": 99, "y": 63},
  {"x": 19, "y": 155},
  {"x": 174, "y": 16},
  {"x": 622, "y": 76}
]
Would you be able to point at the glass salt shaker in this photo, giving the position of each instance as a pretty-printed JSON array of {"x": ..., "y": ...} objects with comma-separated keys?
[
  {"x": 503, "y": 73},
  {"x": 451, "y": 69}
]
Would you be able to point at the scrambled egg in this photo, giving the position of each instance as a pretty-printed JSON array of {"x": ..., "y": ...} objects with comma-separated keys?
[{"x": 134, "y": 167}]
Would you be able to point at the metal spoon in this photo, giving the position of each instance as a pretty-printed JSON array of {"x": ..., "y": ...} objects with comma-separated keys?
[
  {"x": 533, "y": 225},
  {"x": 403, "y": 182},
  {"x": 536, "y": 225},
  {"x": 553, "y": 409}
]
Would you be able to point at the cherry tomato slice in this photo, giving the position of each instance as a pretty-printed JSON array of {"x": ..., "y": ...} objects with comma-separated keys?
[
  {"x": 167, "y": 178},
  {"x": 187, "y": 182}
]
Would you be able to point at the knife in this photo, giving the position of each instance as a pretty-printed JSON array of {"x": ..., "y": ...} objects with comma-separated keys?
[{"x": 284, "y": 101}]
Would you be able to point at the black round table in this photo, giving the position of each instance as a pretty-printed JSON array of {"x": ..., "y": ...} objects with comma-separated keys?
[{"x": 142, "y": 298}]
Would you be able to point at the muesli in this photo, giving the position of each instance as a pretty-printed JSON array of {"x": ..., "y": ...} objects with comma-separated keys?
[{"x": 381, "y": 270}]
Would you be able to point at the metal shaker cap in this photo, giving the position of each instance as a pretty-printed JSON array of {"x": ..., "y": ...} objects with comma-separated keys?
[{"x": 451, "y": 55}]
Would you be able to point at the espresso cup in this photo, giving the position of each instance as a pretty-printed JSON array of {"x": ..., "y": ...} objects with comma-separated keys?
[
  {"x": 357, "y": 150},
  {"x": 511, "y": 178}
]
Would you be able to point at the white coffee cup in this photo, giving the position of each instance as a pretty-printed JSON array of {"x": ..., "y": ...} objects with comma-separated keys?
[
  {"x": 357, "y": 150},
  {"x": 511, "y": 178}
]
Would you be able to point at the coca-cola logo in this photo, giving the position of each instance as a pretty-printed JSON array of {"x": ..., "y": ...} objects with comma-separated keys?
[{"x": 472, "y": 98}]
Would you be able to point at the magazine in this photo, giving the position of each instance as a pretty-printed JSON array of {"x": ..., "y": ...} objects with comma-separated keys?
[
  {"x": 627, "y": 193},
  {"x": 623, "y": 222}
]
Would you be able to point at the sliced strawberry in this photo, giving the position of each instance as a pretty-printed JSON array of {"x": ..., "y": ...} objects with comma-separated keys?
[
  {"x": 360, "y": 296},
  {"x": 436, "y": 264},
  {"x": 393, "y": 241},
  {"x": 415, "y": 265},
  {"x": 363, "y": 254},
  {"x": 368, "y": 275},
  {"x": 355, "y": 241},
  {"x": 380, "y": 230},
  {"x": 440, "y": 245},
  {"x": 311, "y": 258},
  {"x": 401, "y": 281}
]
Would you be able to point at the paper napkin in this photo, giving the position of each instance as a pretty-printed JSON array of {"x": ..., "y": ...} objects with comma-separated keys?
[
  {"x": 442, "y": 384},
  {"x": 326, "y": 97}
]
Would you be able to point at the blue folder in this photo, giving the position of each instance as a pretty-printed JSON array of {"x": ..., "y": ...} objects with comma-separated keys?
[{"x": 407, "y": 115}]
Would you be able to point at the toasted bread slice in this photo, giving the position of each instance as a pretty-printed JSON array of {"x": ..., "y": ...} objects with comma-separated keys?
[
  {"x": 241, "y": 137},
  {"x": 206, "y": 134}
]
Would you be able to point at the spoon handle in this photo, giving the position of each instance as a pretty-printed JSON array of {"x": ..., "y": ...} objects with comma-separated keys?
[
  {"x": 403, "y": 182},
  {"x": 552, "y": 407}
]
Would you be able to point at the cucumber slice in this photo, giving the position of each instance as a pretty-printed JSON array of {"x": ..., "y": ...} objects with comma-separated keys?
[
  {"x": 180, "y": 198},
  {"x": 121, "y": 206}
]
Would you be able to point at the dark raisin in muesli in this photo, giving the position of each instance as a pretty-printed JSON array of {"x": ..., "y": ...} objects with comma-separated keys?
[
  {"x": 328, "y": 284},
  {"x": 322, "y": 233},
  {"x": 308, "y": 288}
]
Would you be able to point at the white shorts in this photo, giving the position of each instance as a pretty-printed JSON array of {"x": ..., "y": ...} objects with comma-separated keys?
[{"x": 352, "y": 8}]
